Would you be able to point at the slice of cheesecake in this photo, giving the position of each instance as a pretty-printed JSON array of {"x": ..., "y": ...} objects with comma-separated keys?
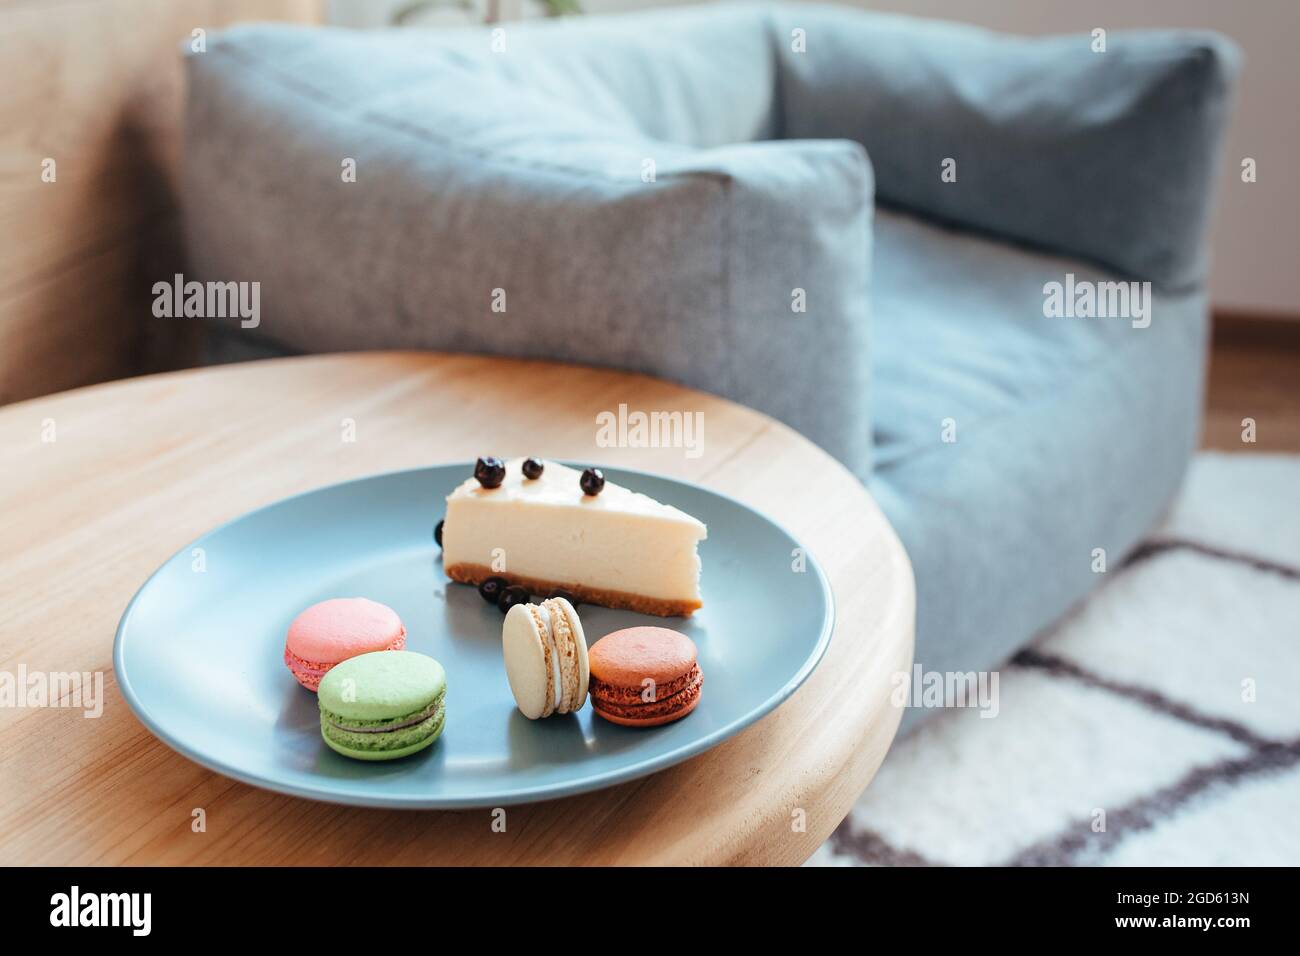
[{"x": 617, "y": 548}]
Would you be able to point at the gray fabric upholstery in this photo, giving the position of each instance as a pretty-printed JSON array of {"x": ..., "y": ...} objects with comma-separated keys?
[
  {"x": 1106, "y": 156},
  {"x": 1071, "y": 434},
  {"x": 476, "y": 173}
]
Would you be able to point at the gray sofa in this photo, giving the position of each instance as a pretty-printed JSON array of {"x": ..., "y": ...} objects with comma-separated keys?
[{"x": 663, "y": 191}]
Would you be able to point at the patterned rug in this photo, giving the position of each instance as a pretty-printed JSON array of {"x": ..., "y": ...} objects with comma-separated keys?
[{"x": 1158, "y": 725}]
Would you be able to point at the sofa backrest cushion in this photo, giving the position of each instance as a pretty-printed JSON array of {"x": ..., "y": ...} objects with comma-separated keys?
[
  {"x": 1104, "y": 155},
  {"x": 502, "y": 204}
]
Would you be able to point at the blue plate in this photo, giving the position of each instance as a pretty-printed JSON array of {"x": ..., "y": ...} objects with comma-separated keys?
[{"x": 199, "y": 650}]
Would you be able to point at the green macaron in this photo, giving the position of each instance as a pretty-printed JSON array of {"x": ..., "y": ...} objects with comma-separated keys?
[{"x": 383, "y": 705}]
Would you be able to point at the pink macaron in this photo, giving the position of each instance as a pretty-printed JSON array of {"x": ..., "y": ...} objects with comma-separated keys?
[{"x": 330, "y": 632}]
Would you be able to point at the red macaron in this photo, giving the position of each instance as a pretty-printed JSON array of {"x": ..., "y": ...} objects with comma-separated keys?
[{"x": 644, "y": 676}]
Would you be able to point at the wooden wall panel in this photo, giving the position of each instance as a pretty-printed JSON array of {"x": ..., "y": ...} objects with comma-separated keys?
[{"x": 95, "y": 85}]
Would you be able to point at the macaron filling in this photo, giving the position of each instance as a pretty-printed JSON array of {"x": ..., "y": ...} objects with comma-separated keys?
[
  {"x": 663, "y": 704},
  {"x": 633, "y": 696},
  {"x": 547, "y": 626},
  {"x": 381, "y": 735},
  {"x": 565, "y": 661},
  {"x": 552, "y": 658},
  {"x": 555, "y": 669},
  {"x": 380, "y": 727}
]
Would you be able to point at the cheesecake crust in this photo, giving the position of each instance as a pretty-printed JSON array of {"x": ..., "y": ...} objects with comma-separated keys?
[{"x": 477, "y": 573}]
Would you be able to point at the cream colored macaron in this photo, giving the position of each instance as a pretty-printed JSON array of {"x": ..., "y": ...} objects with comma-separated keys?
[{"x": 546, "y": 658}]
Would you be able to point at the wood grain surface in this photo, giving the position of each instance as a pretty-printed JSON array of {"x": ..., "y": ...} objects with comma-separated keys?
[
  {"x": 95, "y": 86},
  {"x": 103, "y": 484},
  {"x": 1254, "y": 368}
]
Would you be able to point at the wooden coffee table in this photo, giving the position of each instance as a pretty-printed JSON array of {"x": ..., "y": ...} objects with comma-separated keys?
[{"x": 101, "y": 485}]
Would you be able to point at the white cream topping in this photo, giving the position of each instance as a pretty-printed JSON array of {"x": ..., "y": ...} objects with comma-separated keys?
[{"x": 559, "y": 487}]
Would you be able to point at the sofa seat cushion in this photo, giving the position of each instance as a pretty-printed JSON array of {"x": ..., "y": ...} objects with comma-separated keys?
[{"x": 1071, "y": 434}]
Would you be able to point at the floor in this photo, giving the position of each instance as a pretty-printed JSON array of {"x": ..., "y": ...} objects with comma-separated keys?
[
  {"x": 1254, "y": 373},
  {"x": 1131, "y": 733}
]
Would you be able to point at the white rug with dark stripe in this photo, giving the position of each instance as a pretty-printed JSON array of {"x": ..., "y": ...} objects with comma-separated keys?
[{"x": 1158, "y": 725}]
